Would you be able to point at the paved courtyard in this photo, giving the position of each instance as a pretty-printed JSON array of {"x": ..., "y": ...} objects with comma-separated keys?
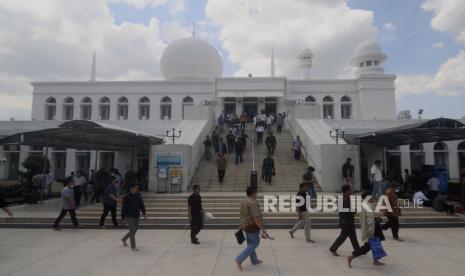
[{"x": 168, "y": 252}]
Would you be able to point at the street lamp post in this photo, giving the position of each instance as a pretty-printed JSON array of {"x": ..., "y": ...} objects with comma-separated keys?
[
  {"x": 338, "y": 134},
  {"x": 173, "y": 135}
]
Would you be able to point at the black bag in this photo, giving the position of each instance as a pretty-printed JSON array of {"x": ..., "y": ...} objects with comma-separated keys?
[{"x": 240, "y": 236}]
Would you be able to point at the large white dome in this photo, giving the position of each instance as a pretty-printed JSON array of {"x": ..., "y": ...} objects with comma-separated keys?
[
  {"x": 368, "y": 50},
  {"x": 190, "y": 58}
]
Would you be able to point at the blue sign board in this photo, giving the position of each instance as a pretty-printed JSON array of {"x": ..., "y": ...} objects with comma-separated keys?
[{"x": 167, "y": 159}]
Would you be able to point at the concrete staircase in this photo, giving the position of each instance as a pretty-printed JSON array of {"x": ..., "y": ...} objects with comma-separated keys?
[
  {"x": 170, "y": 211},
  {"x": 288, "y": 171}
]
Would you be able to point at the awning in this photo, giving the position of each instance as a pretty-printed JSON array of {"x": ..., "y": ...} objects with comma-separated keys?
[
  {"x": 247, "y": 94},
  {"x": 442, "y": 129},
  {"x": 83, "y": 135}
]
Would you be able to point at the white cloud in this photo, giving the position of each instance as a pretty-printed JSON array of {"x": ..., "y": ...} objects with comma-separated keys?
[
  {"x": 449, "y": 80},
  {"x": 248, "y": 30},
  {"x": 438, "y": 45},
  {"x": 389, "y": 26},
  {"x": 140, "y": 4},
  {"x": 53, "y": 40},
  {"x": 449, "y": 17},
  {"x": 177, "y": 6},
  {"x": 173, "y": 30}
]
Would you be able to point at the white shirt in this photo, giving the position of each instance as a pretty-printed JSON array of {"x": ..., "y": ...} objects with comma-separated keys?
[
  {"x": 269, "y": 120},
  {"x": 79, "y": 180},
  {"x": 433, "y": 184},
  {"x": 375, "y": 170},
  {"x": 260, "y": 129},
  {"x": 419, "y": 197}
]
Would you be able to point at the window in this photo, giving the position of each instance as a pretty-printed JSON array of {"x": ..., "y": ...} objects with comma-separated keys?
[
  {"x": 187, "y": 101},
  {"x": 441, "y": 155},
  {"x": 104, "y": 109},
  {"x": 165, "y": 108},
  {"x": 310, "y": 100},
  {"x": 361, "y": 64},
  {"x": 417, "y": 157},
  {"x": 144, "y": 108},
  {"x": 346, "y": 107},
  {"x": 50, "y": 108},
  {"x": 376, "y": 62},
  {"x": 328, "y": 108},
  {"x": 123, "y": 106},
  {"x": 369, "y": 63},
  {"x": 68, "y": 108},
  {"x": 86, "y": 108}
]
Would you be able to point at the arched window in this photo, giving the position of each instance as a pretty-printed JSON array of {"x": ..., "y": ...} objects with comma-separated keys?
[
  {"x": 346, "y": 107},
  {"x": 328, "y": 108},
  {"x": 104, "y": 109},
  {"x": 310, "y": 100},
  {"x": 144, "y": 108},
  {"x": 165, "y": 108},
  {"x": 68, "y": 108},
  {"x": 86, "y": 108},
  {"x": 441, "y": 155},
  {"x": 123, "y": 108},
  {"x": 187, "y": 101},
  {"x": 50, "y": 108},
  {"x": 417, "y": 157}
]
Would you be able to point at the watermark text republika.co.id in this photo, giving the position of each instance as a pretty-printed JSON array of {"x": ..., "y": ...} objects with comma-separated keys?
[{"x": 330, "y": 204}]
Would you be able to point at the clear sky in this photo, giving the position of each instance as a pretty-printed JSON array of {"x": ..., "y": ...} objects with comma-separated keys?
[{"x": 54, "y": 40}]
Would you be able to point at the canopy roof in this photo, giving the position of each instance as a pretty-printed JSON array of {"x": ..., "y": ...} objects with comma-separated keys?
[
  {"x": 442, "y": 129},
  {"x": 83, "y": 135}
]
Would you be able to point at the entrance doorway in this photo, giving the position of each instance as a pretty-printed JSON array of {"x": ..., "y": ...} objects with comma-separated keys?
[
  {"x": 83, "y": 162},
  {"x": 107, "y": 160},
  {"x": 250, "y": 107},
  {"x": 59, "y": 165},
  {"x": 229, "y": 105},
  {"x": 271, "y": 105},
  {"x": 393, "y": 163},
  {"x": 13, "y": 164}
]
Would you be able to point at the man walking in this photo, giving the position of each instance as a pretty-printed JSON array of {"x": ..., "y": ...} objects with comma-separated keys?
[
  {"x": 348, "y": 172},
  {"x": 239, "y": 148},
  {"x": 243, "y": 121},
  {"x": 230, "y": 138},
  {"x": 221, "y": 165},
  {"x": 303, "y": 214},
  {"x": 270, "y": 143},
  {"x": 110, "y": 200},
  {"x": 133, "y": 205},
  {"x": 208, "y": 145},
  {"x": 222, "y": 148},
  {"x": 297, "y": 147},
  {"x": 309, "y": 178},
  {"x": 67, "y": 205},
  {"x": 393, "y": 217},
  {"x": 251, "y": 224},
  {"x": 346, "y": 223},
  {"x": 79, "y": 180},
  {"x": 279, "y": 123},
  {"x": 259, "y": 130},
  {"x": 195, "y": 213},
  {"x": 377, "y": 179},
  {"x": 268, "y": 168}
]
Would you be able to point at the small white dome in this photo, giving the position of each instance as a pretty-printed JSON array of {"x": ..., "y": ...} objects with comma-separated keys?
[
  {"x": 368, "y": 50},
  {"x": 305, "y": 53},
  {"x": 191, "y": 58}
]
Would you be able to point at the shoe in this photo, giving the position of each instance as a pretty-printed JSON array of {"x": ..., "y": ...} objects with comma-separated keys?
[
  {"x": 125, "y": 244},
  {"x": 195, "y": 242},
  {"x": 134, "y": 250}
]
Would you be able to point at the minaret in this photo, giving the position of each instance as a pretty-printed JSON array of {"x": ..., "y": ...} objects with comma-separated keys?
[
  {"x": 305, "y": 63},
  {"x": 272, "y": 63},
  {"x": 94, "y": 65}
]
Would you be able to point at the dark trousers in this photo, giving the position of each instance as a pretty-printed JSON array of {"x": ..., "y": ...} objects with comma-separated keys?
[
  {"x": 432, "y": 195},
  {"x": 271, "y": 148},
  {"x": 297, "y": 154},
  {"x": 230, "y": 148},
  {"x": 239, "y": 157},
  {"x": 63, "y": 212},
  {"x": 393, "y": 223},
  {"x": 196, "y": 226},
  {"x": 267, "y": 174},
  {"x": 242, "y": 127},
  {"x": 108, "y": 208},
  {"x": 133, "y": 225},
  {"x": 361, "y": 250},
  {"x": 278, "y": 128},
  {"x": 259, "y": 137},
  {"x": 221, "y": 175},
  {"x": 346, "y": 231},
  {"x": 77, "y": 195}
]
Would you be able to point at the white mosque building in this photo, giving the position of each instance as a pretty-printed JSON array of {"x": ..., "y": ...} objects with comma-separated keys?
[{"x": 193, "y": 92}]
